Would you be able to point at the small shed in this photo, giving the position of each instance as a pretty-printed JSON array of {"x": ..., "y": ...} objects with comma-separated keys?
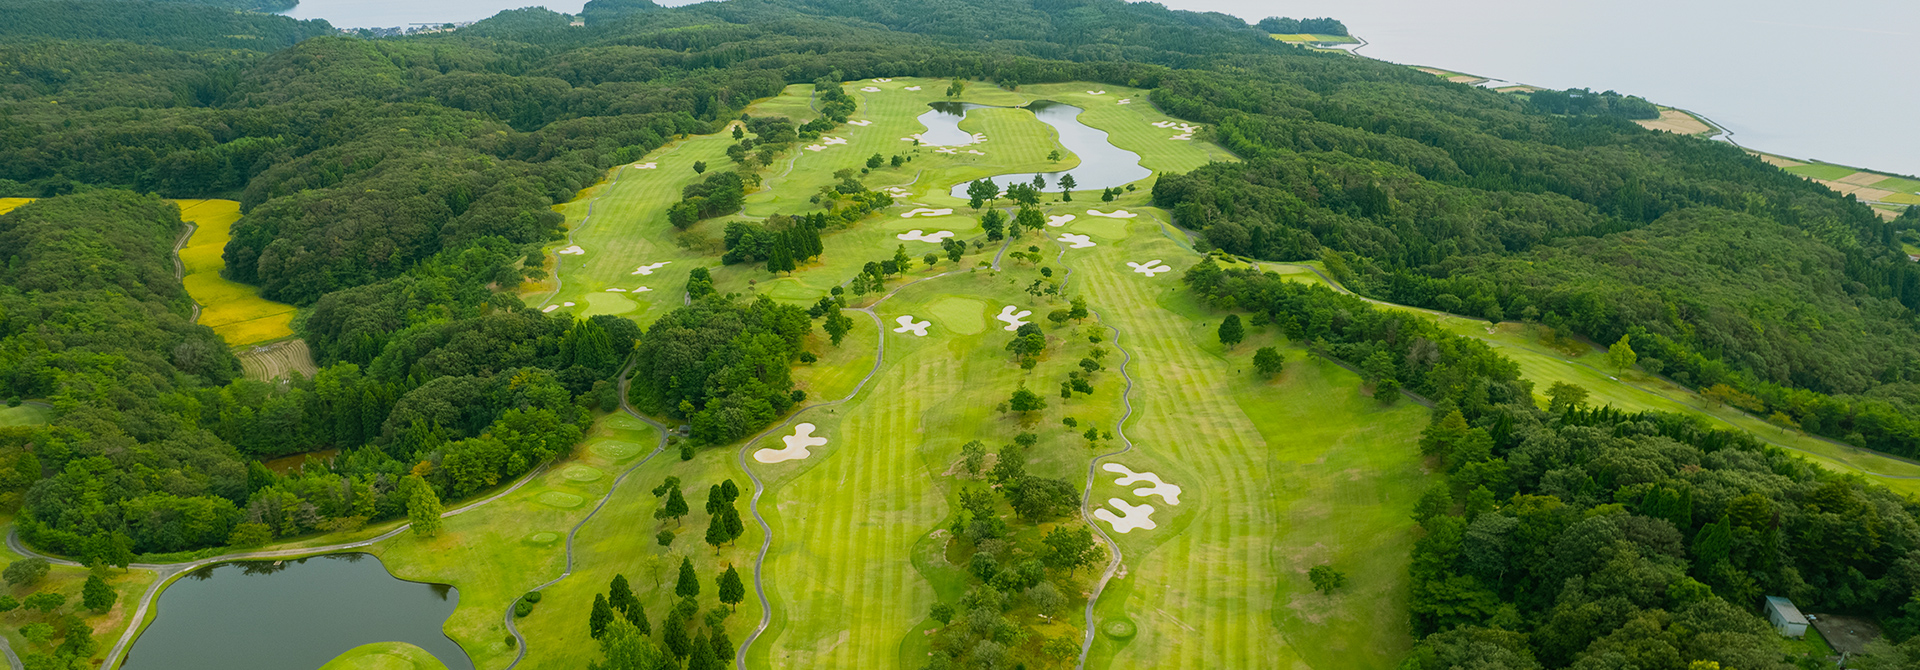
[{"x": 1785, "y": 617}]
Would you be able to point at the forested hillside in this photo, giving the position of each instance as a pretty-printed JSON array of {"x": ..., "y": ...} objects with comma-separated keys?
[{"x": 398, "y": 190}]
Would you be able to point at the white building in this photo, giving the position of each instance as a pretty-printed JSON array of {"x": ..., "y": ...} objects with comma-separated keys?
[{"x": 1785, "y": 617}]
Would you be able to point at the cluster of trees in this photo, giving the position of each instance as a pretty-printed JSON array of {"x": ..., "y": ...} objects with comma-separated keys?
[
  {"x": 1593, "y": 538},
  {"x": 1584, "y": 101},
  {"x": 723, "y": 367},
  {"x": 1012, "y": 575},
  {"x": 783, "y": 242},
  {"x": 619, "y": 620},
  {"x": 49, "y": 623},
  {"x": 1278, "y": 25}
]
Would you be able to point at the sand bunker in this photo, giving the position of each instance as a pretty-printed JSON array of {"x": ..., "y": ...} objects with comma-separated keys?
[
  {"x": 882, "y": 80},
  {"x": 797, "y": 445},
  {"x": 1185, "y": 130},
  {"x": 830, "y": 141},
  {"x": 946, "y": 150},
  {"x": 913, "y": 88},
  {"x": 926, "y": 211},
  {"x": 1129, "y": 518},
  {"x": 549, "y": 308},
  {"x": 616, "y": 290},
  {"x": 862, "y": 122},
  {"x": 1149, "y": 268},
  {"x": 566, "y": 304},
  {"x": 648, "y": 269},
  {"x": 1124, "y": 101},
  {"x": 574, "y": 250},
  {"x": 907, "y": 324},
  {"x": 1077, "y": 241},
  {"x": 642, "y": 289},
  {"x": 976, "y": 152},
  {"x": 815, "y": 147},
  {"x": 870, "y": 89},
  {"x": 975, "y": 139},
  {"x": 898, "y": 192},
  {"x": 1061, "y": 220},
  {"x": 916, "y": 236},
  {"x": 1014, "y": 321},
  {"x": 1167, "y": 492},
  {"x": 1117, "y": 214},
  {"x": 646, "y": 166},
  {"x": 1096, "y": 92}
]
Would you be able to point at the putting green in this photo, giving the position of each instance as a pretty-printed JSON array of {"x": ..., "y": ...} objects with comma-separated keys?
[
  {"x": 608, "y": 303},
  {"x": 581, "y": 473},
  {"x": 1085, "y": 224},
  {"x": 560, "y": 500},
  {"x": 624, "y": 421},
  {"x": 542, "y": 538},
  {"x": 615, "y": 450},
  {"x": 965, "y": 316},
  {"x": 1118, "y": 628},
  {"x": 385, "y": 656}
]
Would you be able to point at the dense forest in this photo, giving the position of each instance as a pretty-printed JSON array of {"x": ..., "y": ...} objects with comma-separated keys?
[
  {"x": 1586, "y": 537},
  {"x": 395, "y": 188}
]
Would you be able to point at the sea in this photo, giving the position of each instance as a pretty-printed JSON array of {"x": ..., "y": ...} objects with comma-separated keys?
[{"x": 1829, "y": 81}]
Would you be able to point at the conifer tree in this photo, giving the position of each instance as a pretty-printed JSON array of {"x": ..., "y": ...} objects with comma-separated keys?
[
  {"x": 601, "y": 616},
  {"x": 732, "y": 591},
  {"x": 674, "y": 508},
  {"x": 689, "y": 584}
]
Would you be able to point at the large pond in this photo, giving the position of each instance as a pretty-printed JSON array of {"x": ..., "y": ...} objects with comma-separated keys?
[
  {"x": 292, "y": 615},
  {"x": 1102, "y": 165}
]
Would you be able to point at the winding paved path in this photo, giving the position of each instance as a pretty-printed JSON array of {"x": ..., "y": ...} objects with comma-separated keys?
[
  {"x": 179, "y": 274},
  {"x": 520, "y": 642},
  {"x": 1086, "y": 498}
]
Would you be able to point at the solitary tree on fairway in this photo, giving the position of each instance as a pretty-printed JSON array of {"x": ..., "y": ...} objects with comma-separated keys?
[
  {"x": 1268, "y": 361},
  {"x": 423, "y": 507},
  {"x": 731, "y": 590},
  {"x": 601, "y": 616},
  {"x": 1621, "y": 355},
  {"x": 689, "y": 584},
  {"x": 738, "y": 132},
  {"x": 1231, "y": 332},
  {"x": 956, "y": 88},
  {"x": 1066, "y": 187},
  {"x": 1326, "y": 579},
  {"x": 665, "y": 538},
  {"x": 700, "y": 167},
  {"x": 97, "y": 595},
  {"x": 1024, "y": 400},
  {"x": 674, "y": 508}
]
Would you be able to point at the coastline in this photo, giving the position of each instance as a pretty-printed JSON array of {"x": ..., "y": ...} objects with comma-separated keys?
[{"x": 1887, "y": 193}]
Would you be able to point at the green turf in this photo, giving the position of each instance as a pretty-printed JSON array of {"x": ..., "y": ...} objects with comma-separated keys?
[
  {"x": 68, "y": 581},
  {"x": 25, "y": 415},
  {"x": 385, "y": 656},
  {"x": 1821, "y": 171},
  {"x": 1901, "y": 185}
]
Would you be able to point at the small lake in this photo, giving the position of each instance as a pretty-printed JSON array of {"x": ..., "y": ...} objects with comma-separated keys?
[
  {"x": 292, "y": 615},
  {"x": 1102, "y": 165}
]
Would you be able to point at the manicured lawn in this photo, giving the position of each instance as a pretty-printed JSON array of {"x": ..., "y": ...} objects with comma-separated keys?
[
  {"x": 107, "y": 627},
  {"x": 385, "y": 656},
  {"x": 25, "y": 415}
]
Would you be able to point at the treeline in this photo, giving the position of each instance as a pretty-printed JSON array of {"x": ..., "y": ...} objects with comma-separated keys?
[
  {"x": 723, "y": 367},
  {"x": 1501, "y": 213},
  {"x": 177, "y": 23},
  {"x": 1584, "y": 101},
  {"x": 1279, "y": 25},
  {"x": 1586, "y": 537}
]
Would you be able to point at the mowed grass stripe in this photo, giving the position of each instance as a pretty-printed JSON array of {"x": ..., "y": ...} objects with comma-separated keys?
[{"x": 1212, "y": 577}]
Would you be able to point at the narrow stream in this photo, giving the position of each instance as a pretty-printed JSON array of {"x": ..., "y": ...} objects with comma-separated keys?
[
  {"x": 1102, "y": 165},
  {"x": 292, "y": 615}
]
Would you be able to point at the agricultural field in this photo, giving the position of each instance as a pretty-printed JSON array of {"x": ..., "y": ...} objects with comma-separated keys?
[
  {"x": 10, "y": 204},
  {"x": 234, "y": 310},
  {"x": 267, "y": 362}
]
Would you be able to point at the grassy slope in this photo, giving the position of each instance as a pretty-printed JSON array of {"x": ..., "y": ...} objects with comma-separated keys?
[
  {"x": 234, "y": 310},
  {"x": 130, "y": 584},
  {"x": 385, "y": 656},
  {"x": 491, "y": 555}
]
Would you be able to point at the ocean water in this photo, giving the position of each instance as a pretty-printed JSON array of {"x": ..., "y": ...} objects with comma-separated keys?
[{"x": 1828, "y": 80}]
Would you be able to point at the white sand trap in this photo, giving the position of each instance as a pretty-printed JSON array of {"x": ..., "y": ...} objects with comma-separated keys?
[
  {"x": 1014, "y": 321},
  {"x": 945, "y": 150},
  {"x": 1182, "y": 137},
  {"x": 1077, "y": 241},
  {"x": 898, "y": 192},
  {"x": 815, "y": 147},
  {"x": 566, "y": 304},
  {"x": 647, "y": 166},
  {"x": 870, "y": 89},
  {"x": 616, "y": 290},
  {"x": 1061, "y": 220},
  {"x": 926, "y": 211},
  {"x": 574, "y": 250},
  {"x": 1149, "y": 268},
  {"x": 830, "y": 141},
  {"x": 919, "y": 329},
  {"x": 1167, "y": 492},
  {"x": 913, "y": 88},
  {"x": 916, "y": 236},
  {"x": 1124, "y": 101},
  {"x": 975, "y": 152},
  {"x": 1096, "y": 92},
  {"x": 797, "y": 444},
  {"x": 648, "y": 269},
  {"x": 862, "y": 122},
  {"x": 882, "y": 80},
  {"x": 549, "y": 308},
  {"x": 1117, "y": 214},
  {"x": 642, "y": 289},
  {"x": 1129, "y": 518}
]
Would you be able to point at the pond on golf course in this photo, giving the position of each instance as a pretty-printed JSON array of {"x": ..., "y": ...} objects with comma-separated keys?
[
  {"x": 292, "y": 615},
  {"x": 1102, "y": 165}
]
